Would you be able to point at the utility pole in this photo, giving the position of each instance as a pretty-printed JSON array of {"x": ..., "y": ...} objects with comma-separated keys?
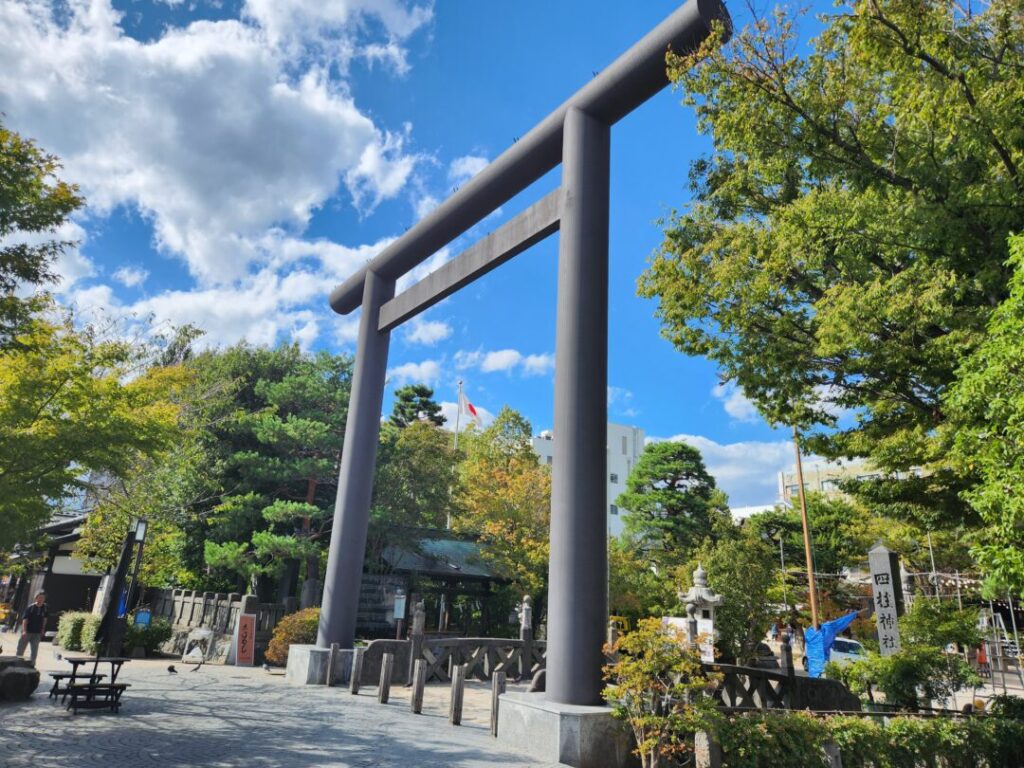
[{"x": 807, "y": 530}]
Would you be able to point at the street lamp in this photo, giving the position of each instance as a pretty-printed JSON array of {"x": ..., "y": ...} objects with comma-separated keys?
[{"x": 141, "y": 525}]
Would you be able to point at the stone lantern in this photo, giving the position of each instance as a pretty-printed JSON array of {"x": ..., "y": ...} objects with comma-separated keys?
[{"x": 701, "y": 602}]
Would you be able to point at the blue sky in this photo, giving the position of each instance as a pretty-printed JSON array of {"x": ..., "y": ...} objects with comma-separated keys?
[{"x": 241, "y": 158}]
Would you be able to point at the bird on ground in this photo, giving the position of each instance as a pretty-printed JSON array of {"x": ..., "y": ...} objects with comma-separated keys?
[
  {"x": 266, "y": 667},
  {"x": 172, "y": 670}
]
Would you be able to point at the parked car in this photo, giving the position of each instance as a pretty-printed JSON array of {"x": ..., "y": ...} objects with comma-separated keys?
[{"x": 844, "y": 651}]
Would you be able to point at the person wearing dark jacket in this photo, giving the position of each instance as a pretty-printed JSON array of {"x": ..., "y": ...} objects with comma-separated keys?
[{"x": 33, "y": 624}]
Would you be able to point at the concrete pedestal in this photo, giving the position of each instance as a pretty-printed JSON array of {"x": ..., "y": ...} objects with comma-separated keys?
[
  {"x": 583, "y": 737},
  {"x": 307, "y": 665}
]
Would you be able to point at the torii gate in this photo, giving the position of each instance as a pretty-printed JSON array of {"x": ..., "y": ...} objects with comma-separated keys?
[{"x": 577, "y": 135}]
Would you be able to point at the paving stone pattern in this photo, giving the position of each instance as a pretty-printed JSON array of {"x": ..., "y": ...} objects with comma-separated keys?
[{"x": 230, "y": 716}]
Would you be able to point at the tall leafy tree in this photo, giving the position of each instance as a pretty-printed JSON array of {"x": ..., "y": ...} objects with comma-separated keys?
[
  {"x": 743, "y": 570},
  {"x": 504, "y": 498},
  {"x": 847, "y": 239},
  {"x": 415, "y": 402},
  {"x": 34, "y": 204},
  {"x": 987, "y": 434},
  {"x": 74, "y": 407},
  {"x": 278, "y": 450},
  {"x": 672, "y": 501}
]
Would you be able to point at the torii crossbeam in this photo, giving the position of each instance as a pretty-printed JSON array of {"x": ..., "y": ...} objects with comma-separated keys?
[{"x": 577, "y": 135}]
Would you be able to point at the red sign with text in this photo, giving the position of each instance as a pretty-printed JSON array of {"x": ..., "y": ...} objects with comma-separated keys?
[{"x": 245, "y": 655}]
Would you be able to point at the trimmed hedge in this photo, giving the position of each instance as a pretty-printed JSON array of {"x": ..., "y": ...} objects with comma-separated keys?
[
  {"x": 76, "y": 631},
  {"x": 148, "y": 638},
  {"x": 796, "y": 740},
  {"x": 298, "y": 628}
]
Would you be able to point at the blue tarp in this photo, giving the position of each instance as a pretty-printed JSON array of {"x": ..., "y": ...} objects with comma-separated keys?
[{"x": 818, "y": 642}]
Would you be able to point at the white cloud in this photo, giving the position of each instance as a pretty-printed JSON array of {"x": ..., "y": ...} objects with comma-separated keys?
[
  {"x": 507, "y": 360},
  {"x": 298, "y": 25},
  {"x": 462, "y": 169},
  {"x": 501, "y": 360},
  {"x": 424, "y": 205},
  {"x": 346, "y": 329},
  {"x": 735, "y": 402},
  {"x": 131, "y": 276},
  {"x": 747, "y": 471},
  {"x": 538, "y": 365},
  {"x": 427, "y": 372},
  {"x": 427, "y": 332},
  {"x": 218, "y": 132},
  {"x": 448, "y": 410}
]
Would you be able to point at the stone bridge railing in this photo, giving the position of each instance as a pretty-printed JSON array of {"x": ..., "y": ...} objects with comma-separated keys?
[{"x": 749, "y": 688}]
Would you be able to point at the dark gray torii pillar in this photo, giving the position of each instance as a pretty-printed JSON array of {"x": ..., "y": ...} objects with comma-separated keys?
[
  {"x": 577, "y": 134},
  {"x": 355, "y": 482},
  {"x": 578, "y": 569}
]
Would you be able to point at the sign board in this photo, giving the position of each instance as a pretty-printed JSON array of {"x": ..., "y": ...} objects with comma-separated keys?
[
  {"x": 399, "y": 607},
  {"x": 887, "y": 593},
  {"x": 706, "y": 640},
  {"x": 143, "y": 618},
  {"x": 245, "y": 640}
]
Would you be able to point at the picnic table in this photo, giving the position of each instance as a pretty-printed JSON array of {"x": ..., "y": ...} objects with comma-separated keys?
[{"x": 93, "y": 693}]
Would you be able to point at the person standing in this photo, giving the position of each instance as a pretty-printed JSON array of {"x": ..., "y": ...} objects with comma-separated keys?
[{"x": 33, "y": 624}]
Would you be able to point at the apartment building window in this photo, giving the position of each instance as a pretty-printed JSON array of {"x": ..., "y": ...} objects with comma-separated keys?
[
  {"x": 613, "y": 509},
  {"x": 624, "y": 445},
  {"x": 614, "y": 477},
  {"x": 550, "y": 459}
]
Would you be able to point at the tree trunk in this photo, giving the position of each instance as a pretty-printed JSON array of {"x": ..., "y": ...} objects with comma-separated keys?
[{"x": 312, "y": 562}]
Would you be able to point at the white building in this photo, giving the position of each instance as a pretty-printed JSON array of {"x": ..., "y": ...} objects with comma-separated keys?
[{"x": 625, "y": 444}]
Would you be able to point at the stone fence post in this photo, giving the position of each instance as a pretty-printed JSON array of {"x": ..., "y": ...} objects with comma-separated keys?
[
  {"x": 706, "y": 751},
  {"x": 419, "y": 623},
  {"x": 526, "y": 635}
]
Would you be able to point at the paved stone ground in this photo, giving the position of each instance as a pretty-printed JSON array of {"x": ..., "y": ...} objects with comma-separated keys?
[{"x": 231, "y": 716}]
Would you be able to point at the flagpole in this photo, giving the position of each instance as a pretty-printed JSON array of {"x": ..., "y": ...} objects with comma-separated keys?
[
  {"x": 807, "y": 531},
  {"x": 458, "y": 413}
]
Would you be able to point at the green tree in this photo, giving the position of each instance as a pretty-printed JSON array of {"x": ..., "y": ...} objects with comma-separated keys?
[
  {"x": 987, "y": 434},
  {"x": 280, "y": 453},
  {"x": 74, "y": 409},
  {"x": 847, "y": 240},
  {"x": 413, "y": 403},
  {"x": 672, "y": 502},
  {"x": 504, "y": 499},
  {"x": 842, "y": 532},
  {"x": 33, "y": 203},
  {"x": 743, "y": 570},
  {"x": 417, "y": 468},
  {"x": 635, "y": 591}
]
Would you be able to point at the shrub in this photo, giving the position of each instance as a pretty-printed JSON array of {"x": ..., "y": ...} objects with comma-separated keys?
[
  {"x": 652, "y": 683},
  {"x": 298, "y": 628},
  {"x": 69, "y": 630},
  {"x": 148, "y": 638},
  {"x": 90, "y": 627},
  {"x": 795, "y": 740}
]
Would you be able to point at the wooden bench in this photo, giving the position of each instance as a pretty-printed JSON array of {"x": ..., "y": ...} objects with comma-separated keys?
[
  {"x": 62, "y": 690},
  {"x": 95, "y": 696}
]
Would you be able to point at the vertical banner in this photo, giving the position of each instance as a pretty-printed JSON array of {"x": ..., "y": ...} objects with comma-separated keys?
[
  {"x": 887, "y": 593},
  {"x": 245, "y": 640}
]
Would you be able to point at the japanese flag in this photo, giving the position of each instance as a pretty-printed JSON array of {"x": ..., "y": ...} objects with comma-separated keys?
[{"x": 466, "y": 409}]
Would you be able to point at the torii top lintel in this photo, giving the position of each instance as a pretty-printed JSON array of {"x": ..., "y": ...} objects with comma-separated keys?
[{"x": 628, "y": 82}]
